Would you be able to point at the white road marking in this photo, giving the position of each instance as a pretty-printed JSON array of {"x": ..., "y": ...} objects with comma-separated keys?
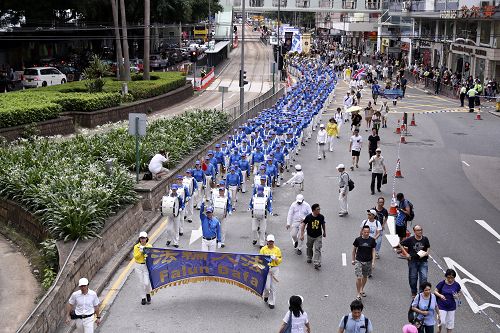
[
  {"x": 466, "y": 163},
  {"x": 474, "y": 280},
  {"x": 344, "y": 259},
  {"x": 486, "y": 226}
]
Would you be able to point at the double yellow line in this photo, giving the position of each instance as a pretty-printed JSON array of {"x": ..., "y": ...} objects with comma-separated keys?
[{"x": 123, "y": 275}]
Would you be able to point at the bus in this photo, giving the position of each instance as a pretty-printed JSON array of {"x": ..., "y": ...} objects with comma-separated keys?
[{"x": 200, "y": 31}]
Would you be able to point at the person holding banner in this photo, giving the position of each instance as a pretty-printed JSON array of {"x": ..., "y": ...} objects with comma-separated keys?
[
  {"x": 140, "y": 267},
  {"x": 274, "y": 252},
  {"x": 211, "y": 230}
]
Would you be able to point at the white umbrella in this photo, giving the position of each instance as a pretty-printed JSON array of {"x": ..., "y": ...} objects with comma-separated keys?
[{"x": 354, "y": 108}]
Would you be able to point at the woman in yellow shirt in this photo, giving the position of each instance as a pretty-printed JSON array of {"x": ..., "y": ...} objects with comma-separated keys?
[
  {"x": 332, "y": 131},
  {"x": 274, "y": 252},
  {"x": 140, "y": 267}
]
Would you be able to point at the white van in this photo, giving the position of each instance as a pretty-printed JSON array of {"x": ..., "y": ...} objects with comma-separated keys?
[{"x": 42, "y": 76}]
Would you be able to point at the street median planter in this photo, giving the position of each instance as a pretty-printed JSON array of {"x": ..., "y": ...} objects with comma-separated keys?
[
  {"x": 59, "y": 126},
  {"x": 114, "y": 114}
]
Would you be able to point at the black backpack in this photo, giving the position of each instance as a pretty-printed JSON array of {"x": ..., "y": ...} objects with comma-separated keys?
[
  {"x": 412, "y": 212},
  {"x": 346, "y": 318},
  {"x": 350, "y": 183}
]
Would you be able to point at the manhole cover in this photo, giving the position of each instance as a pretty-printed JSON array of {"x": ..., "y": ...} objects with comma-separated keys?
[{"x": 459, "y": 133}]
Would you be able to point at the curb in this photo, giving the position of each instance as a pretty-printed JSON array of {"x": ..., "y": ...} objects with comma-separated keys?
[{"x": 495, "y": 113}]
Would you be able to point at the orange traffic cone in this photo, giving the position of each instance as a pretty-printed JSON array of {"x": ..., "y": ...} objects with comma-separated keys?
[
  {"x": 392, "y": 210},
  {"x": 413, "y": 123},
  {"x": 478, "y": 114},
  {"x": 398, "y": 170},
  {"x": 402, "y": 140},
  {"x": 398, "y": 129},
  {"x": 403, "y": 128}
]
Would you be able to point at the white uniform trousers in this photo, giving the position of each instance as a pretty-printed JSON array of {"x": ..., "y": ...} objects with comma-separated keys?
[
  {"x": 271, "y": 285},
  {"x": 199, "y": 194},
  {"x": 208, "y": 188},
  {"x": 234, "y": 192},
  {"x": 298, "y": 188},
  {"x": 259, "y": 226},
  {"x": 244, "y": 182},
  {"x": 343, "y": 200},
  {"x": 256, "y": 167},
  {"x": 295, "y": 234},
  {"x": 181, "y": 221},
  {"x": 141, "y": 270},
  {"x": 331, "y": 140},
  {"x": 209, "y": 245},
  {"x": 223, "y": 229},
  {"x": 321, "y": 150},
  {"x": 173, "y": 229},
  {"x": 189, "y": 209},
  {"x": 85, "y": 325}
]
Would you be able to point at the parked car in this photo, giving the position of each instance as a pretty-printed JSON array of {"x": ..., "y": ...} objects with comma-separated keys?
[
  {"x": 157, "y": 61},
  {"x": 43, "y": 76},
  {"x": 71, "y": 73}
]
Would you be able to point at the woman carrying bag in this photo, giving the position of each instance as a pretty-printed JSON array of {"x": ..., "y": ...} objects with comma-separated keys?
[
  {"x": 426, "y": 308},
  {"x": 295, "y": 320}
]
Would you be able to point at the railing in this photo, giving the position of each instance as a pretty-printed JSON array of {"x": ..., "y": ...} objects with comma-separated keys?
[
  {"x": 349, "y": 4},
  {"x": 253, "y": 107}
]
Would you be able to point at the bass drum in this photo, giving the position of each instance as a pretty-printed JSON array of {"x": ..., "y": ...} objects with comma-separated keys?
[
  {"x": 259, "y": 207},
  {"x": 170, "y": 206},
  {"x": 220, "y": 207}
]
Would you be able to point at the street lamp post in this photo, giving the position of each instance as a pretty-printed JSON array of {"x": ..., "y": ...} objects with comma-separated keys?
[{"x": 242, "y": 57}]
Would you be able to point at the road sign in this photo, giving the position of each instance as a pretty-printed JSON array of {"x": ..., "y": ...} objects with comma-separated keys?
[
  {"x": 137, "y": 126},
  {"x": 223, "y": 89}
]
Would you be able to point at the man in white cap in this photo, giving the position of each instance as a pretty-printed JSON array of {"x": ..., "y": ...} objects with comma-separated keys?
[
  {"x": 274, "y": 252},
  {"x": 375, "y": 227},
  {"x": 298, "y": 210},
  {"x": 343, "y": 190},
  {"x": 140, "y": 267},
  {"x": 321, "y": 141},
  {"x": 297, "y": 180},
  {"x": 82, "y": 306}
]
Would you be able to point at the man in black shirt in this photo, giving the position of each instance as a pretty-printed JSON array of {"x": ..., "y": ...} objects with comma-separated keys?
[
  {"x": 382, "y": 215},
  {"x": 373, "y": 141},
  {"x": 363, "y": 259},
  {"x": 314, "y": 223},
  {"x": 418, "y": 248}
]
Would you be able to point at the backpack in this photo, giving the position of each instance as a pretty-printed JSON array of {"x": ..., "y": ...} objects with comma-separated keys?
[
  {"x": 346, "y": 318},
  {"x": 377, "y": 222},
  {"x": 350, "y": 183},
  {"x": 412, "y": 212}
]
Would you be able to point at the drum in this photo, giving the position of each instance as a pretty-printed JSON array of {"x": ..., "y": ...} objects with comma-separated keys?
[
  {"x": 220, "y": 206},
  {"x": 170, "y": 206},
  {"x": 259, "y": 207}
]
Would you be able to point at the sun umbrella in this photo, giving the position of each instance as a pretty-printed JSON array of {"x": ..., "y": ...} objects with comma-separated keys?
[{"x": 354, "y": 109}]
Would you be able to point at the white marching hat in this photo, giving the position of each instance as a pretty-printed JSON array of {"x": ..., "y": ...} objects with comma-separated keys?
[
  {"x": 83, "y": 282},
  {"x": 298, "y": 167}
]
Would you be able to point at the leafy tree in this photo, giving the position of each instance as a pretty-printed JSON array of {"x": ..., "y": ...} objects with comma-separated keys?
[{"x": 94, "y": 73}]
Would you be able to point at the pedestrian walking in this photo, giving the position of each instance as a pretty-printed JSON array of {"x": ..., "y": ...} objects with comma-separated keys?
[
  {"x": 339, "y": 118},
  {"x": 321, "y": 141},
  {"x": 425, "y": 305},
  {"x": 382, "y": 215},
  {"x": 418, "y": 248},
  {"x": 376, "y": 120},
  {"x": 355, "y": 145},
  {"x": 297, "y": 180},
  {"x": 448, "y": 296},
  {"x": 356, "y": 121},
  {"x": 384, "y": 111},
  {"x": 332, "y": 132},
  {"x": 375, "y": 92},
  {"x": 462, "y": 93},
  {"x": 270, "y": 288},
  {"x": 297, "y": 212},
  {"x": 368, "y": 115},
  {"x": 210, "y": 229},
  {"x": 314, "y": 223},
  {"x": 343, "y": 190},
  {"x": 373, "y": 142},
  {"x": 140, "y": 267},
  {"x": 471, "y": 94},
  {"x": 295, "y": 320},
  {"x": 403, "y": 214},
  {"x": 82, "y": 306},
  {"x": 378, "y": 169},
  {"x": 260, "y": 206},
  {"x": 363, "y": 259},
  {"x": 356, "y": 321}
]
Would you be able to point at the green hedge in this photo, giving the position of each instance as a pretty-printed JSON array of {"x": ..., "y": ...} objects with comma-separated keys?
[
  {"x": 64, "y": 182},
  {"x": 35, "y": 105}
]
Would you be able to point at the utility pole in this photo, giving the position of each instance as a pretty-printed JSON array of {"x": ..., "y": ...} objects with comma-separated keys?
[
  {"x": 242, "y": 58},
  {"x": 209, "y": 22},
  {"x": 280, "y": 61},
  {"x": 147, "y": 38}
]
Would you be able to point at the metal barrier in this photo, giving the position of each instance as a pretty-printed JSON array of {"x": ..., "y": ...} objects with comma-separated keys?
[{"x": 264, "y": 99}]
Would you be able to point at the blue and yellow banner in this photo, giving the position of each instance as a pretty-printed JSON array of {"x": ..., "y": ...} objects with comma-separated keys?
[{"x": 168, "y": 267}]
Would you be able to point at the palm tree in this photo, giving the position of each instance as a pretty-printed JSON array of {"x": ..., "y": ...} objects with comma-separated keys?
[
  {"x": 126, "y": 58},
  {"x": 119, "y": 53},
  {"x": 147, "y": 43}
]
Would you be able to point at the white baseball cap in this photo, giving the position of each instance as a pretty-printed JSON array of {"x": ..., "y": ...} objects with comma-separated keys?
[
  {"x": 298, "y": 167},
  {"x": 299, "y": 198},
  {"x": 270, "y": 238},
  {"x": 143, "y": 234},
  {"x": 83, "y": 282},
  {"x": 340, "y": 166},
  {"x": 372, "y": 211},
  {"x": 322, "y": 126}
]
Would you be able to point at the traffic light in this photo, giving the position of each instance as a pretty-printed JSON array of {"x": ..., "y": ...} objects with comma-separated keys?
[
  {"x": 243, "y": 76},
  {"x": 193, "y": 56}
]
